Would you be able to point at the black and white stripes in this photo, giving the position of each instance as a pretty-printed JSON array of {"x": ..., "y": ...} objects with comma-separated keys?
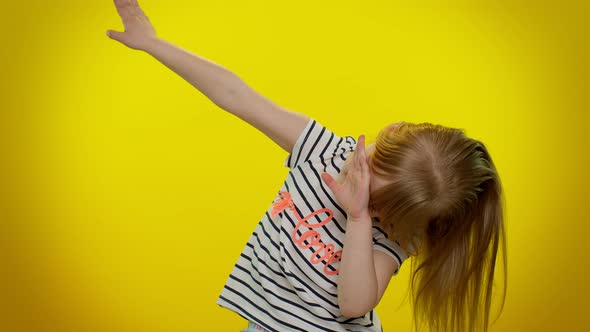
[{"x": 284, "y": 280}]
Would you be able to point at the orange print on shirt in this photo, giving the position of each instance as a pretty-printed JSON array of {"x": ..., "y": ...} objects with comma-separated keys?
[{"x": 314, "y": 238}]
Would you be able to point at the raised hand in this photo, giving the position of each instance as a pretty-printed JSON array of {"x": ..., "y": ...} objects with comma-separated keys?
[
  {"x": 353, "y": 194},
  {"x": 139, "y": 31}
]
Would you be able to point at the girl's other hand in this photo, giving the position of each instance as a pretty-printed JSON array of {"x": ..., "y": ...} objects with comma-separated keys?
[
  {"x": 138, "y": 28},
  {"x": 353, "y": 193}
]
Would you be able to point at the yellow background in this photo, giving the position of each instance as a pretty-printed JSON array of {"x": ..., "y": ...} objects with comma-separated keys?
[{"x": 127, "y": 196}]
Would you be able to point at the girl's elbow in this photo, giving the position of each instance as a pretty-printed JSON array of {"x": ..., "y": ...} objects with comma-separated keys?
[
  {"x": 356, "y": 302},
  {"x": 350, "y": 313},
  {"x": 354, "y": 309},
  {"x": 353, "y": 312}
]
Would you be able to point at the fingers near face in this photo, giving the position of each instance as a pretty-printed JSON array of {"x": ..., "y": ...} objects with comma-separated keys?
[
  {"x": 361, "y": 157},
  {"x": 361, "y": 142}
]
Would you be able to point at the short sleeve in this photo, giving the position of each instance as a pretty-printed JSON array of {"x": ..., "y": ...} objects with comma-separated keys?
[
  {"x": 316, "y": 142},
  {"x": 392, "y": 248}
]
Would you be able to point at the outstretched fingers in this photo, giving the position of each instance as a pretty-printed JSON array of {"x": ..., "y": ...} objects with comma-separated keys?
[
  {"x": 123, "y": 8},
  {"x": 128, "y": 8}
]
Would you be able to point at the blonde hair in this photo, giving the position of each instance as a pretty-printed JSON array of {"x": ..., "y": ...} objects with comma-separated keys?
[{"x": 444, "y": 206}]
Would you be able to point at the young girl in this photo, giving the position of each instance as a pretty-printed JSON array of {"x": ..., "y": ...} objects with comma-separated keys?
[{"x": 347, "y": 216}]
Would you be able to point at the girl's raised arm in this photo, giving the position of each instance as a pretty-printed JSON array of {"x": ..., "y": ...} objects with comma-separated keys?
[{"x": 223, "y": 87}]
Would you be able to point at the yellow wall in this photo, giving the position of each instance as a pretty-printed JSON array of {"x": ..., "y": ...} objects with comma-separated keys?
[{"x": 127, "y": 196}]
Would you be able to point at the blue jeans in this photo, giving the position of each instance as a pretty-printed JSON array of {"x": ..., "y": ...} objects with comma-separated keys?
[{"x": 253, "y": 327}]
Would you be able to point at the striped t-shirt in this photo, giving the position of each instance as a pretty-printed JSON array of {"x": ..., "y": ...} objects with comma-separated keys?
[{"x": 286, "y": 277}]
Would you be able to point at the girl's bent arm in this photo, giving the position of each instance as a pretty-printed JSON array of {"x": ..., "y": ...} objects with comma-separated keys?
[
  {"x": 228, "y": 91},
  {"x": 364, "y": 273}
]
